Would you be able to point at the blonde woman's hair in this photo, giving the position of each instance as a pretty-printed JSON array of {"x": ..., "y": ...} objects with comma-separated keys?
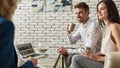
[{"x": 7, "y": 8}]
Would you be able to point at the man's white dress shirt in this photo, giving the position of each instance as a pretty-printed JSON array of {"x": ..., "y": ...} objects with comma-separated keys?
[{"x": 90, "y": 33}]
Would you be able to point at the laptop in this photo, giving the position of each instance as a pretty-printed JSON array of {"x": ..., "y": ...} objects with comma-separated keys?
[{"x": 26, "y": 50}]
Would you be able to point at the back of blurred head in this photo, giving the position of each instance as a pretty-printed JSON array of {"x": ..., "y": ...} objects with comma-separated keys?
[{"x": 7, "y": 8}]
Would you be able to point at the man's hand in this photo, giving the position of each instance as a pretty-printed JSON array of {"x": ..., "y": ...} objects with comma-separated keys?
[
  {"x": 62, "y": 50},
  {"x": 68, "y": 32},
  {"x": 34, "y": 60}
]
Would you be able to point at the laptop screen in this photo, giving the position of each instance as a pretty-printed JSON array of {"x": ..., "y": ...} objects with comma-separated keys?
[{"x": 25, "y": 49}]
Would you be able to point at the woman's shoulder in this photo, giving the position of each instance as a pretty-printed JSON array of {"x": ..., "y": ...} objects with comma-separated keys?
[
  {"x": 4, "y": 21},
  {"x": 115, "y": 26}
]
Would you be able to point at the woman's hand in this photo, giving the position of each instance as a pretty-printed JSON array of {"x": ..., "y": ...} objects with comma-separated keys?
[
  {"x": 34, "y": 61},
  {"x": 90, "y": 55}
]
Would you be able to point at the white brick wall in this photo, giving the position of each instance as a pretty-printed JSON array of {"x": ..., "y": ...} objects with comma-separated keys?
[{"x": 47, "y": 27}]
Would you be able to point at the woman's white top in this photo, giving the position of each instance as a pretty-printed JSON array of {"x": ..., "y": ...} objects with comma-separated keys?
[{"x": 107, "y": 44}]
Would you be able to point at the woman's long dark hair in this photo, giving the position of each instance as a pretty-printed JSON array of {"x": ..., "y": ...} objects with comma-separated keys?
[{"x": 113, "y": 14}]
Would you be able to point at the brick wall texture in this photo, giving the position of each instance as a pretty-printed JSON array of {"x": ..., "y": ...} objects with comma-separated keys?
[{"x": 48, "y": 27}]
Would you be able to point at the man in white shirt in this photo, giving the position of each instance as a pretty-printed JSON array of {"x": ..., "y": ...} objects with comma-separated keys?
[{"x": 89, "y": 32}]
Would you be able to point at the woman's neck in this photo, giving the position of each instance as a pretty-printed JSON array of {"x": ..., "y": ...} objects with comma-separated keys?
[{"x": 106, "y": 22}]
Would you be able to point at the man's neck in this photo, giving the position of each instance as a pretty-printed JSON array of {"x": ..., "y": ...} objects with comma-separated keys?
[{"x": 85, "y": 21}]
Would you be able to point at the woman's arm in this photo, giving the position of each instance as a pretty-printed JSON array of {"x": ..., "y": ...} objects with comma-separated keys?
[
  {"x": 116, "y": 35},
  {"x": 94, "y": 56},
  {"x": 100, "y": 58}
]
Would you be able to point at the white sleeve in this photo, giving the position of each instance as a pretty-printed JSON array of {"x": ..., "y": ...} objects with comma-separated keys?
[
  {"x": 94, "y": 35},
  {"x": 71, "y": 51},
  {"x": 75, "y": 37}
]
